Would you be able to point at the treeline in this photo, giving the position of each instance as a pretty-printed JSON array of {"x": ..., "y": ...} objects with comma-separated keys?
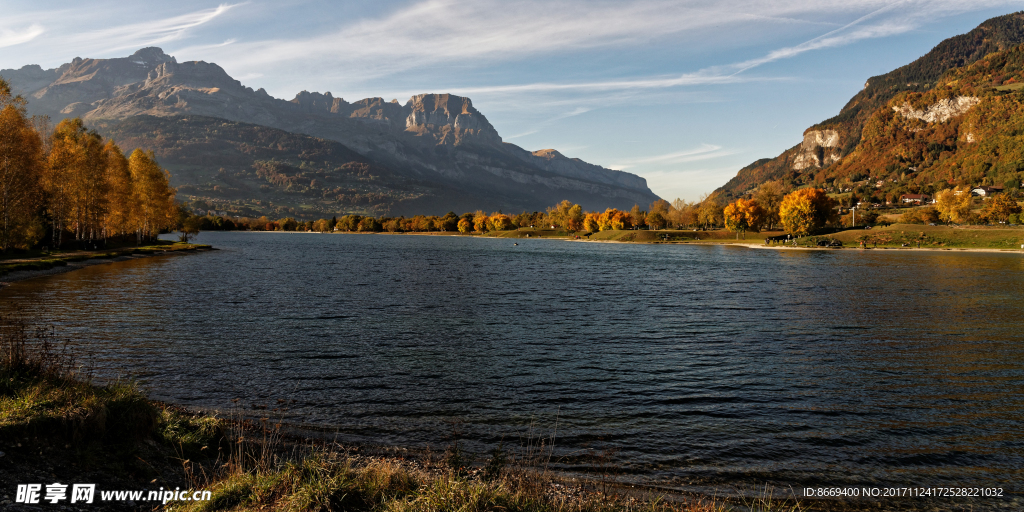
[
  {"x": 65, "y": 185},
  {"x": 565, "y": 216},
  {"x": 958, "y": 206}
]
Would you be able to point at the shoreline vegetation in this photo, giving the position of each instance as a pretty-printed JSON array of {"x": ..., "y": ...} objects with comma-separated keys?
[
  {"x": 803, "y": 218},
  {"x": 902, "y": 237},
  {"x": 60, "y": 425}
]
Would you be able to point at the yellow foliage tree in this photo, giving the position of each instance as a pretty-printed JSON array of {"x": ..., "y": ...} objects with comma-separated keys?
[
  {"x": 480, "y": 221},
  {"x": 954, "y": 205},
  {"x": 743, "y": 215},
  {"x": 806, "y": 211},
  {"x": 999, "y": 208},
  {"x": 500, "y": 222},
  {"x": 21, "y": 160},
  {"x": 118, "y": 220},
  {"x": 152, "y": 195}
]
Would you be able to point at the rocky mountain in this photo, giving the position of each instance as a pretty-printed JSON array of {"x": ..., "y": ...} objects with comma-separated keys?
[
  {"x": 834, "y": 141},
  {"x": 437, "y": 145}
]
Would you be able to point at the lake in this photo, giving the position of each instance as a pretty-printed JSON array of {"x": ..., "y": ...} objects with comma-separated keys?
[{"x": 706, "y": 368}]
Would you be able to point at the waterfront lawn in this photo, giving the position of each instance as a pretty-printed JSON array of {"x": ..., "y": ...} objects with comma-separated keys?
[{"x": 933, "y": 237}]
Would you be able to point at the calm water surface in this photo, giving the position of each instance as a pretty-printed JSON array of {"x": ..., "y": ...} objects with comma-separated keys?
[{"x": 691, "y": 367}]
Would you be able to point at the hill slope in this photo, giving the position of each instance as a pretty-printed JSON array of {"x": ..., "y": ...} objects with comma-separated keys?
[{"x": 828, "y": 142}]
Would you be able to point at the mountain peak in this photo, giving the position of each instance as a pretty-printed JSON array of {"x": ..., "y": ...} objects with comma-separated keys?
[
  {"x": 548, "y": 153},
  {"x": 151, "y": 55},
  {"x": 449, "y": 118}
]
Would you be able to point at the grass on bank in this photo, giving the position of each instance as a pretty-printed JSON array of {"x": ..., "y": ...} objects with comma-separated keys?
[
  {"x": 40, "y": 260},
  {"x": 931, "y": 237},
  {"x": 891, "y": 236}
]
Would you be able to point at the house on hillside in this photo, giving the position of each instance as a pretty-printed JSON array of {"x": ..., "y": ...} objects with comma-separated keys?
[
  {"x": 985, "y": 191},
  {"x": 915, "y": 198}
]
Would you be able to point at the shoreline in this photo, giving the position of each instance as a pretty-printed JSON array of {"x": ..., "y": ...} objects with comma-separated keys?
[
  {"x": 14, "y": 276},
  {"x": 713, "y": 242}
]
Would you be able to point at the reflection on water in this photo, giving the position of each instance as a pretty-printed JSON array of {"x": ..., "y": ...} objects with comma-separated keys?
[{"x": 696, "y": 367}]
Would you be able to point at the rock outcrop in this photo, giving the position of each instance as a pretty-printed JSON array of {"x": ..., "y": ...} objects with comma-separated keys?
[
  {"x": 819, "y": 148},
  {"x": 448, "y": 119},
  {"x": 939, "y": 112}
]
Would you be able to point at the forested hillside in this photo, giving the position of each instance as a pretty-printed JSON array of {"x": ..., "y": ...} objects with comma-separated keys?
[
  {"x": 255, "y": 170},
  {"x": 832, "y": 140},
  {"x": 967, "y": 130}
]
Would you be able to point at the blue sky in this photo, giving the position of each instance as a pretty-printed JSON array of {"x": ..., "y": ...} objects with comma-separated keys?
[{"x": 682, "y": 92}]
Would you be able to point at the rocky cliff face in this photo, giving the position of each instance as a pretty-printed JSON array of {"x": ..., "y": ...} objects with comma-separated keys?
[
  {"x": 819, "y": 148},
  {"x": 430, "y": 137},
  {"x": 939, "y": 112},
  {"x": 73, "y": 88},
  {"x": 448, "y": 119}
]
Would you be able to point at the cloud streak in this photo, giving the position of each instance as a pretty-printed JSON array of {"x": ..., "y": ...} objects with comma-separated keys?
[
  {"x": 9, "y": 37},
  {"x": 704, "y": 152},
  {"x": 148, "y": 33},
  {"x": 476, "y": 34}
]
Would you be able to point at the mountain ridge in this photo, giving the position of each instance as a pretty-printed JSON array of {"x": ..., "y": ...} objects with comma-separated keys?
[{"x": 433, "y": 138}]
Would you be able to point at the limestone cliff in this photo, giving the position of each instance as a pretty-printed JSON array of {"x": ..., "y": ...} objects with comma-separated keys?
[
  {"x": 939, "y": 112},
  {"x": 819, "y": 148}
]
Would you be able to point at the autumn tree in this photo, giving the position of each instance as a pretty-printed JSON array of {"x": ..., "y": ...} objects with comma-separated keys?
[
  {"x": 683, "y": 213},
  {"x": 743, "y": 215},
  {"x": 89, "y": 191},
  {"x": 450, "y": 222},
  {"x": 769, "y": 196},
  {"x": 954, "y": 205},
  {"x": 709, "y": 213},
  {"x": 500, "y": 222},
  {"x": 465, "y": 225},
  {"x": 566, "y": 215},
  {"x": 480, "y": 221},
  {"x": 21, "y": 162},
  {"x": 637, "y": 217},
  {"x": 120, "y": 203},
  {"x": 806, "y": 211},
  {"x": 656, "y": 220},
  {"x": 999, "y": 207},
  {"x": 614, "y": 219},
  {"x": 153, "y": 196},
  {"x": 591, "y": 222}
]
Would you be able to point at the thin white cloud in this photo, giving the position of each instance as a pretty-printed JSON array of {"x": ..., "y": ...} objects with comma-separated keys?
[
  {"x": 475, "y": 34},
  {"x": 147, "y": 33},
  {"x": 836, "y": 37},
  {"x": 573, "y": 113},
  {"x": 11, "y": 37},
  {"x": 481, "y": 32},
  {"x": 704, "y": 152},
  {"x": 462, "y": 31}
]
